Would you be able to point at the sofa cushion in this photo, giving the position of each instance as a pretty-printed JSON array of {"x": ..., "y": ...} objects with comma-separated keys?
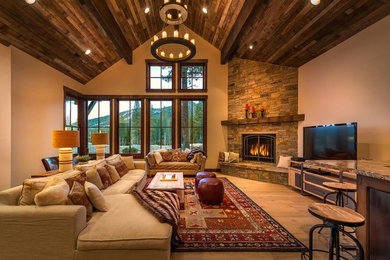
[
  {"x": 127, "y": 225},
  {"x": 129, "y": 161},
  {"x": 176, "y": 166},
  {"x": 104, "y": 176},
  {"x": 150, "y": 159},
  {"x": 114, "y": 175},
  {"x": 90, "y": 165},
  {"x": 94, "y": 177},
  {"x": 78, "y": 196},
  {"x": 55, "y": 192},
  {"x": 95, "y": 196},
  {"x": 134, "y": 175},
  {"x": 113, "y": 159},
  {"x": 157, "y": 157},
  {"x": 121, "y": 168},
  {"x": 120, "y": 187}
]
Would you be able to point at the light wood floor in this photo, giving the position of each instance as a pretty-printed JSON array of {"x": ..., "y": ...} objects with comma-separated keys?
[{"x": 284, "y": 204}]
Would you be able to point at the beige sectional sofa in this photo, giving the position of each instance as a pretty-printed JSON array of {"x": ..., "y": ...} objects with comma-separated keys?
[{"x": 125, "y": 231}]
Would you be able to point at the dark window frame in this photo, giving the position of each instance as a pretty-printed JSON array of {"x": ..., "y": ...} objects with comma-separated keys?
[
  {"x": 179, "y": 127},
  {"x": 150, "y": 63},
  {"x": 97, "y": 98},
  {"x": 193, "y": 63},
  {"x": 148, "y": 100},
  {"x": 117, "y": 100}
]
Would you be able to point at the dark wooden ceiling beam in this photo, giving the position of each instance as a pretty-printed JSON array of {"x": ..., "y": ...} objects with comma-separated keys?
[
  {"x": 106, "y": 19},
  {"x": 249, "y": 7}
]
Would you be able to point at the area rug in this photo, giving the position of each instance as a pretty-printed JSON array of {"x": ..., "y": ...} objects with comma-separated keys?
[{"x": 238, "y": 224}]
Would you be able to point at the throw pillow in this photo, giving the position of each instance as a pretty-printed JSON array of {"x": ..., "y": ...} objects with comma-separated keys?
[
  {"x": 95, "y": 196},
  {"x": 167, "y": 156},
  {"x": 80, "y": 177},
  {"x": 121, "y": 168},
  {"x": 78, "y": 196},
  {"x": 226, "y": 156},
  {"x": 199, "y": 158},
  {"x": 221, "y": 157},
  {"x": 129, "y": 161},
  {"x": 284, "y": 161},
  {"x": 182, "y": 157},
  {"x": 30, "y": 188},
  {"x": 158, "y": 157},
  {"x": 234, "y": 157},
  {"x": 150, "y": 159},
  {"x": 93, "y": 177},
  {"x": 190, "y": 156},
  {"x": 113, "y": 159},
  {"x": 55, "y": 192},
  {"x": 114, "y": 175},
  {"x": 104, "y": 176}
]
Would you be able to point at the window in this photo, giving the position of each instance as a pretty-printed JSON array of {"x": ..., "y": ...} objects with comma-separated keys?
[
  {"x": 161, "y": 124},
  {"x": 193, "y": 77},
  {"x": 71, "y": 114},
  {"x": 193, "y": 124},
  {"x": 130, "y": 127},
  {"x": 160, "y": 76},
  {"x": 98, "y": 121}
]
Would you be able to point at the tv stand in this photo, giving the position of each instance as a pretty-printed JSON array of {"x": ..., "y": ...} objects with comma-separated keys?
[{"x": 308, "y": 178}]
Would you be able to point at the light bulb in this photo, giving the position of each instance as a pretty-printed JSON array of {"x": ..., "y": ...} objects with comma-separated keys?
[
  {"x": 87, "y": 51},
  {"x": 163, "y": 53},
  {"x": 164, "y": 34},
  {"x": 151, "y": 43},
  {"x": 30, "y": 2},
  {"x": 169, "y": 16},
  {"x": 251, "y": 46},
  {"x": 315, "y": 2},
  {"x": 178, "y": 1},
  {"x": 171, "y": 56},
  {"x": 147, "y": 9},
  {"x": 186, "y": 36},
  {"x": 176, "y": 33},
  {"x": 193, "y": 41},
  {"x": 180, "y": 55},
  {"x": 155, "y": 38},
  {"x": 188, "y": 52},
  {"x": 204, "y": 10}
]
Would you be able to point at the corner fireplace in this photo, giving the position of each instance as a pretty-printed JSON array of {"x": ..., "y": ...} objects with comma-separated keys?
[{"x": 258, "y": 147}]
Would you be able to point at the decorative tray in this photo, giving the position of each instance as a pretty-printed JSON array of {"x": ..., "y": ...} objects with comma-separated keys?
[{"x": 170, "y": 177}]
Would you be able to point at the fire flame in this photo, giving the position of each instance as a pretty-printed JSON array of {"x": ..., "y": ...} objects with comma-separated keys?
[{"x": 263, "y": 150}]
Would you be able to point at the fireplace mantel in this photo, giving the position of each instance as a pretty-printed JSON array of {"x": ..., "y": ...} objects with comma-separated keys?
[{"x": 265, "y": 120}]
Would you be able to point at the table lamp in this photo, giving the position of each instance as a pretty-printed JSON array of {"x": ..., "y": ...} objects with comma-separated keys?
[
  {"x": 100, "y": 140},
  {"x": 64, "y": 141}
]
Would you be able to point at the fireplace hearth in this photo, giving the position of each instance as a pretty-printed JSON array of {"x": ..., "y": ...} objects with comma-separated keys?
[{"x": 258, "y": 147}]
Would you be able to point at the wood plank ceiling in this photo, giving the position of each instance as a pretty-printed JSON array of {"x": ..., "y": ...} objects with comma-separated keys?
[{"x": 285, "y": 32}]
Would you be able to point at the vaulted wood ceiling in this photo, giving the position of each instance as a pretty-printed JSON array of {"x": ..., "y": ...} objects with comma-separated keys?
[{"x": 286, "y": 32}]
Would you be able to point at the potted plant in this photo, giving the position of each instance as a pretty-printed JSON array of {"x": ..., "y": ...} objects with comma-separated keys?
[{"x": 82, "y": 159}]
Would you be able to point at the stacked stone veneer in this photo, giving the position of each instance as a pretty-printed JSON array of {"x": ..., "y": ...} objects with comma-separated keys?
[{"x": 271, "y": 86}]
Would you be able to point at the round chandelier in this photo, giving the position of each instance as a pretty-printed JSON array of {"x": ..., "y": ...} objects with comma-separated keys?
[{"x": 176, "y": 47}]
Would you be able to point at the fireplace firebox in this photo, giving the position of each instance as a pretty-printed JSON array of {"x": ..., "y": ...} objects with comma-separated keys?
[{"x": 258, "y": 147}]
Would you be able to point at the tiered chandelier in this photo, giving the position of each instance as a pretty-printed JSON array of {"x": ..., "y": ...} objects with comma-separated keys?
[{"x": 173, "y": 12}]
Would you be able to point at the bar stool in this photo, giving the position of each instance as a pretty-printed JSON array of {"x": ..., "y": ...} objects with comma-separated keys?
[
  {"x": 341, "y": 189},
  {"x": 335, "y": 218}
]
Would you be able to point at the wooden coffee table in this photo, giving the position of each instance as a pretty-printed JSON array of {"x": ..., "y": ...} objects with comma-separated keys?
[{"x": 175, "y": 186}]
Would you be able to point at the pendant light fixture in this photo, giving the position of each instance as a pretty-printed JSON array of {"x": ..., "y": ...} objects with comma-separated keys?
[{"x": 175, "y": 47}]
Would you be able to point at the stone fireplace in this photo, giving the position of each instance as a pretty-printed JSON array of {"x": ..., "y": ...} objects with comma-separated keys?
[{"x": 259, "y": 147}]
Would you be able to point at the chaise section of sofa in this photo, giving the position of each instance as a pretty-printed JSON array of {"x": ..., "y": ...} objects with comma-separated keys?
[{"x": 125, "y": 231}]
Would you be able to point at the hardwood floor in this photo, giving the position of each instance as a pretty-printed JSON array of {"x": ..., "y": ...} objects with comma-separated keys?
[{"x": 284, "y": 204}]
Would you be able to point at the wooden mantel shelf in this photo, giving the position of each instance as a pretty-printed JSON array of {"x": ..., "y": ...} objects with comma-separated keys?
[{"x": 265, "y": 120}]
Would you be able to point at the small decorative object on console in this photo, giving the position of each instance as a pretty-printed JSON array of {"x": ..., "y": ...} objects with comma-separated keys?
[
  {"x": 253, "y": 112},
  {"x": 262, "y": 111},
  {"x": 82, "y": 159},
  {"x": 246, "y": 111}
]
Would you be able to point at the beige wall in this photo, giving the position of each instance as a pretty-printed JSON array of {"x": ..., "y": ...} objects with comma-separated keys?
[
  {"x": 5, "y": 116},
  {"x": 124, "y": 79},
  {"x": 37, "y": 109},
  {"x": 351, "y": 83}
]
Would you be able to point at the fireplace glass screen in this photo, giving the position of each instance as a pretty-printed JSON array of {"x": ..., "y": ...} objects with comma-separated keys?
[{"x": 259, "y": 147}]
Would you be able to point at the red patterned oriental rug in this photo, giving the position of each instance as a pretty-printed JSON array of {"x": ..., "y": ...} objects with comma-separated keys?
[{"x": 238, "y": 224}]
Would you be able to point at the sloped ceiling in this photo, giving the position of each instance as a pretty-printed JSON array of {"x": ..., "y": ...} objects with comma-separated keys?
[{"x": 285, "y": 32}]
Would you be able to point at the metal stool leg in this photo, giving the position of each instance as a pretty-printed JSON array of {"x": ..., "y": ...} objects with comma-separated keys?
[
  {"x": 311, "y": 238},
  {"x": 331, "y": 243},
  {"x": 360, "y": 248}
]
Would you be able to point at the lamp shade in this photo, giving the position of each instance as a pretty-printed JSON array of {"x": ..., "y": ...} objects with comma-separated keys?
[
  {"x": 99, "y": 138},
  {"x": 65, "y": 139}
]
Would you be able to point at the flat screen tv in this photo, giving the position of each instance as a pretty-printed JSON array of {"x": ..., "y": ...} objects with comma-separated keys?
[{"x": 330, "y": 142}]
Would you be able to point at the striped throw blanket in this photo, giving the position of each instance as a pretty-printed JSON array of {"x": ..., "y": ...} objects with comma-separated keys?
[{"x": 164, "y": 206}]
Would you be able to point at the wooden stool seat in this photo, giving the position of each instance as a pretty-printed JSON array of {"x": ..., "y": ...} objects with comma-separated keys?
[
  {"x": 342, "y": 186},
  {"x": 337, "y": 215}
]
